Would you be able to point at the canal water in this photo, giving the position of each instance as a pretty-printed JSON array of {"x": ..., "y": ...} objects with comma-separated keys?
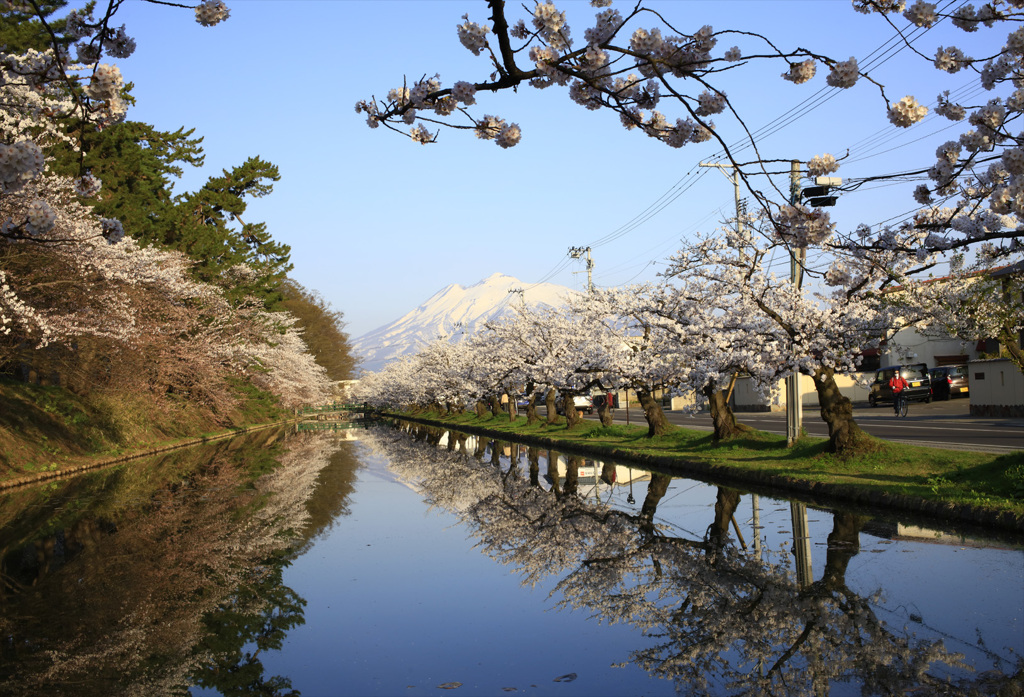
[{"x": 414, "y": 561}]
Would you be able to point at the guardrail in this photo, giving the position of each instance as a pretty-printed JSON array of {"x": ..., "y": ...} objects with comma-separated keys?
[{"x": 334, "y": 406}]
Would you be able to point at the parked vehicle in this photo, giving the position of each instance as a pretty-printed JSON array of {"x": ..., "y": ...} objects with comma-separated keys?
[
  {"x": 583, "y": 402},
  {"x": 949, "y": 380},
  {"x": 919, "y": 384},
  {"x": 600, "y": 399},
  {"x": 523, "y": 401}
]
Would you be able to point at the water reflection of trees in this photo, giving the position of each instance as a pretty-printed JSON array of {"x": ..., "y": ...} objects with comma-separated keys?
[
  {"x": 150, "y": 577},
  {"x": 722, "y": 621}
]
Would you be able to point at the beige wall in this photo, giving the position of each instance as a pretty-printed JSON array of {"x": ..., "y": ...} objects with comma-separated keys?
[
  {"x": 920, "y": 348},
  {"x": 746, "y": 398},
  {"x": 996, "y": 382}
]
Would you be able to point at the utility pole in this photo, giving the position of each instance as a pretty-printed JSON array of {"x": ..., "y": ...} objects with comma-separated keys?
[
  {"x": 576, "y": 253},
  {"x": 735, "y": 179},
  {"x": 521, "y": 292},
  {"x": 797, "y": 257}
]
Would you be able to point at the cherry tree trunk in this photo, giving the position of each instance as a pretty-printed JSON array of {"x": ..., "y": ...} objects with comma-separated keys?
[
  {"x": 604, "y": 412},
  {"x": 844, "y": 435},
  {"x": 722, "y": 416},
  {"x": 531, "y": 411},
  {"x": 657, "y": 424},
  {"x": 549, "y": 402},
  {"x": 572, "y": 415},
  {"x": 481, "y": 409},
  {"x": 495, "y": 405}
]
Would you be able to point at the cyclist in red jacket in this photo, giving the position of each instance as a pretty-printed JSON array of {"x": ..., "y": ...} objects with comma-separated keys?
[{"x": 898, "y": 383}]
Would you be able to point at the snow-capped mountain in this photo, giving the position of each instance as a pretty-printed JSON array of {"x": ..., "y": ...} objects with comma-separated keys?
[{"x": 453, "y": 311}]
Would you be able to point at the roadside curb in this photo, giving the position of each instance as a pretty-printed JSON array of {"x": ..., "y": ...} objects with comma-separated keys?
[
  {"x": 37, "y": 477},
  {"x": 799, "y": 488}
]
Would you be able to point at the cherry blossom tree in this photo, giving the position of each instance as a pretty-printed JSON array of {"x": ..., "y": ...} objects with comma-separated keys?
[
  {"x": 637, "y": 62},
  {"x": 73, "y": 284},
  {"x": 688, "y": 337},
  {"x": 818, "y": 334},
  {"x": 631, "y": 347}
]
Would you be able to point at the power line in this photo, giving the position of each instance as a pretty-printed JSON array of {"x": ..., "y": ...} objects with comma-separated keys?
[{"x": 879, "y": 56}]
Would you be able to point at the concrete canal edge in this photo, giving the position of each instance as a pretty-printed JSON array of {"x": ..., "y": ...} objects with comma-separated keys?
[
  {"x": 811, "y": 492},
  {"x": 99, "y": 463}
]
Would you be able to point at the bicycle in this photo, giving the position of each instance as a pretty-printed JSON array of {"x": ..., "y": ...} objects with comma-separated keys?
[{"x": 899, "y": 405}]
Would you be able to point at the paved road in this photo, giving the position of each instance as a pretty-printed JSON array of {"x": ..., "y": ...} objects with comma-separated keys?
[{"x": 939, "y": 424}]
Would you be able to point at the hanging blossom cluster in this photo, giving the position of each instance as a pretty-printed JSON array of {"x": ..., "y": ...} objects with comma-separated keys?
[
  {"x": 211, "y": 12},
  {"x": 105, "y": 87},
  {"x": 627, "y": 65},
  {"x": 821, "y": 165},
  {"x": 472, "y": 35},
  {"x": 801, "y": 72},
  {"x": 922, "y": 14},
  {"x": 506, "y": 135},
  {"x": 802, "y": 226},
  {"x": 20, "y": 163},
  {"x": 906, "y": 112},
  {"x": 87, "y": 186},
  {"x": 951, "y": 59},
  {"x": 843, "y": 74}
]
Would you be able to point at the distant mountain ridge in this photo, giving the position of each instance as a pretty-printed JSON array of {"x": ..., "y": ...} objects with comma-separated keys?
[{"x": 455, "y": 311}]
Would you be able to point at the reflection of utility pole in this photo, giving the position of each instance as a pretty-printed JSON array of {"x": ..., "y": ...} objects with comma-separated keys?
[
  {"x": 801, "y": 545},
  {"x": 794, "y": 406},
  {"x": 735, "y": 179},
  {"x": 576, "y": 253},
  {"x": 756, "y": 504}
]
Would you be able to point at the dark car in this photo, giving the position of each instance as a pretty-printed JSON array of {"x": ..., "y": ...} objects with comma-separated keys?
[
  {"x": 919, "y": 384},
  {"x": 949, "y": 380}
]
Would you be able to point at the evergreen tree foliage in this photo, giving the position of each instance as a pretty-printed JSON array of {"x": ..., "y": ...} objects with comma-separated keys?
[
  {"x": 137, "y": 164},
  {"x": 20, "y": 30},
  {"x": 205, "y": 229}
]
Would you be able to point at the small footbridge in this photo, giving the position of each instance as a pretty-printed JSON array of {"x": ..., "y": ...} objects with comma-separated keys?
[
  {"x": 332, "y": 416},
  {"x": 332, "y": 409}
]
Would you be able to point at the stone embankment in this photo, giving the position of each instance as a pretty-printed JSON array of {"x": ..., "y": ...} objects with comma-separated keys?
[{"x": 101, "y": 462}]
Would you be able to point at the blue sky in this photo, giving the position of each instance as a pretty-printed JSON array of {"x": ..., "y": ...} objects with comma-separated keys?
[{"x": 378, "y": 223}]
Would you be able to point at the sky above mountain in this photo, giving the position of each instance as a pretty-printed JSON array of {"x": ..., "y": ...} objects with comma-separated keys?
[
  {"x": 455, "y": 312},
  {"x": 377, "y": 222}
]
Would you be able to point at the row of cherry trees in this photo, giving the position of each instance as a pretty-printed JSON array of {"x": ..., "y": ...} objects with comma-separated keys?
[
  {"x": 718, "y": 311},
  {"x": 80, "y": 294},
  {"x": 692, "y": 334}
]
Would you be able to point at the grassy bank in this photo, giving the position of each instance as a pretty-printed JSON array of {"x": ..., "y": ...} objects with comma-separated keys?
[
  {"x": 46, "y": 429},
  {"x": 956, "y": 485}
]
